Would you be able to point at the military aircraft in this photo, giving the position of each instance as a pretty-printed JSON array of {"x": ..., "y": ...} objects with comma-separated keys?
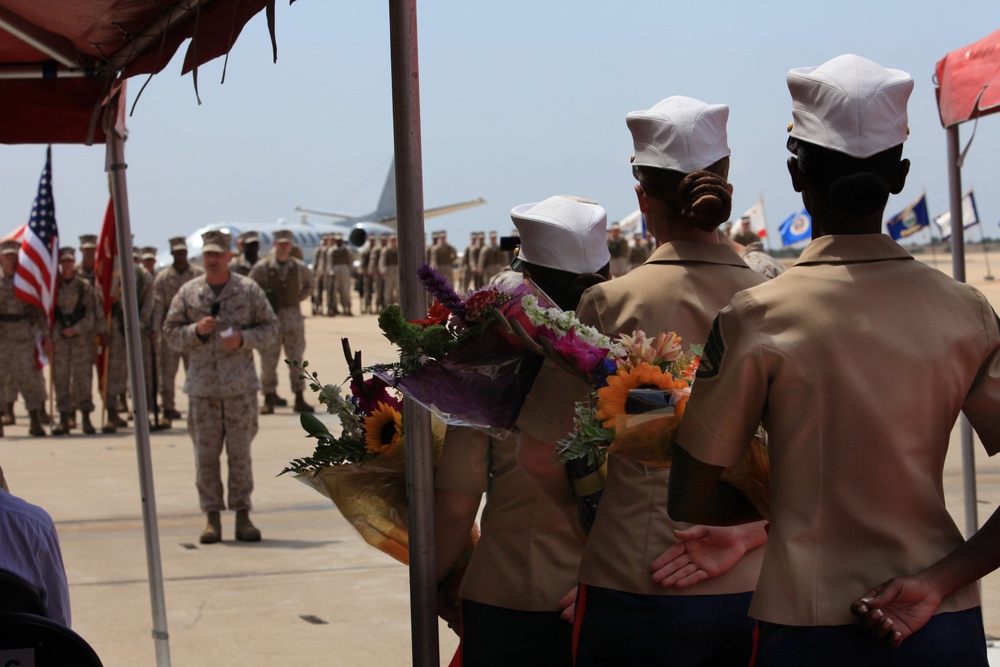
[{"x": 307, "y": 235}]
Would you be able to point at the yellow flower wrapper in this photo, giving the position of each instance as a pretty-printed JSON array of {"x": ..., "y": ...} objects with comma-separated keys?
[
  {"x": 372, "y": 497},
  {"x": 648, "y": 438}
]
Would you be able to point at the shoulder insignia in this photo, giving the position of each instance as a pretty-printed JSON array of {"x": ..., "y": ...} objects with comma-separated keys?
[{"x": 711, "y": 358}]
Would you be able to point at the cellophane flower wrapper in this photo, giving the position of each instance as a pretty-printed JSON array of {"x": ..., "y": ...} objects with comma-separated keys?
[
  {"x": 646, "y": 438},
  {"x": 371, "y": 496},
  {"x": 482, "y": 383}
]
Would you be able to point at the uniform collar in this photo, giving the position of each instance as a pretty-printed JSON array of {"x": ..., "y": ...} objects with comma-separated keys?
[
  {"x": 852, "y": 249},
  {"x": 695, "y": 251}
]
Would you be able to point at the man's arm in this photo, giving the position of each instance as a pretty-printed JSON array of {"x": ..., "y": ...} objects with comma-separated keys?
[
  {"x": 697, "y": 496},
  {"x": 899, "y": 607}
]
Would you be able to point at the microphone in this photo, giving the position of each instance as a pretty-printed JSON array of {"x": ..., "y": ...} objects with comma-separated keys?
[{"x": 215, "y": 309}]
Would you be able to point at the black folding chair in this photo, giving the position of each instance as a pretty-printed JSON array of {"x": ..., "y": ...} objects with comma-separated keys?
[
  {"x": 27, "y": 639},
  {"x": 16, "y": 594}
]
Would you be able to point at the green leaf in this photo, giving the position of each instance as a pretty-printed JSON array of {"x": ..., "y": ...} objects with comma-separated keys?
[{"x": 313, "y": 426}]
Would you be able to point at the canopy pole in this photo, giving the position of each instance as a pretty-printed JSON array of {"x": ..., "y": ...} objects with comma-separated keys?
[
  {"x": 958, "y": 273},
  {"x": 410, "y": 226},
  {"x": 130, "y": 309}
]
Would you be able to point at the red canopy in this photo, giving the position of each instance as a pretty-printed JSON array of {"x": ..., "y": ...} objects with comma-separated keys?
[
  {"x": 968, "y": 81},
  {"x": 60, "y": 59}
]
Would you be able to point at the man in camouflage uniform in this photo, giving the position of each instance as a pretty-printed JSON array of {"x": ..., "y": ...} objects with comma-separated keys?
[
  {"x": 166, "y": 284},
  {"x": 249, "y": 256},
  {"x": 638, "y": 252},
  {"x": 218, "y": 319},
  {"x": 88, "y": 257},
  {"x": 116, "y": 383},
  {"x": 443, "y": 256},
  {"x": 318, "y": 267},
  {"x": 329, "y": 279},
  {"x": 74, "y": 345},
  {"x": 618, "y": 247},
  {"x": 378, "y": 243},
  {"x": 492, "y": 259},
  {"x": 365, "y": 278},
  {"x": 469, "y": 266},
  {"x": 20, "y": 325},
  {"x": 286, "y": 282},
  {"x": 148, "y": 255},
  {"x": 341, "y": 258},
  {"x": 388, "y": 261}
]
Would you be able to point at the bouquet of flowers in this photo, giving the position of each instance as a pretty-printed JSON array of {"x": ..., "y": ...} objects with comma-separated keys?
[
  {"x": 362, "y": 470},
  {"x": 637, "y": 412},
  {"x": 461, "y": 361}
]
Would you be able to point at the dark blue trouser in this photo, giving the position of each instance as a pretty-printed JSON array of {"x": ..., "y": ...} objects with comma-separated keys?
[
  {"x": 495, "y": 636},
  {"x": 955, "y": 638},
  {"x": 617, "y": 628}
]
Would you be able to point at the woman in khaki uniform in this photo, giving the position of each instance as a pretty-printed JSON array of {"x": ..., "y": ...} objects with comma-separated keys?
[
  {"x": 859, "y": 360},
  {"x": 628, "y": 611},
  {"x": 527, "y": 557}
]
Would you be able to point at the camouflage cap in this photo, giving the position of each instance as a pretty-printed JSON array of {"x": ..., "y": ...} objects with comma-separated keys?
[
  {"x": 67, "y": 253},
  {"x": 88, "y": 241},
  {"x": 216, "y": 241},
  {"x": 283, "y": 236},
  {"x": 178, "y": 243},
  {"x": 249, "y": 237},
  {"x": 149, "y": 252},
  {"x": 10, "y": 247}
]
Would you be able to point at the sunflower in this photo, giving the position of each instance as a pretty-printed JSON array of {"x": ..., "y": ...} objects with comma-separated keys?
[
  {"x": 611, "y": 399},
  {"x": 383, "y": 430}
]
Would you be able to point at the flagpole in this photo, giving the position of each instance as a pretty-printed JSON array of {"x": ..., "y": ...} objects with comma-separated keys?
[
  {"x": 767, "y": 233},
  {"x": 986, "y": 254},
  {"x": 130, "y": 311},
  {"x": 958, "y": 273}
]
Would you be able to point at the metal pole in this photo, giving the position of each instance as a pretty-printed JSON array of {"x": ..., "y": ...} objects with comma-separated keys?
[
  {"x": 119, "y": 193},
  {"x": 410, "y": 210},
  {"x": 958, "y": 273}
]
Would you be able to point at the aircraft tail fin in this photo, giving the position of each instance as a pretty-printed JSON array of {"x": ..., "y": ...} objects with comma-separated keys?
[{"x": 387, "y": 202}]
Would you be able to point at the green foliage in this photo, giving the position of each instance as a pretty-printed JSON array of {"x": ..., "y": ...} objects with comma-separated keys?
[{"x": 588, "y": 438}]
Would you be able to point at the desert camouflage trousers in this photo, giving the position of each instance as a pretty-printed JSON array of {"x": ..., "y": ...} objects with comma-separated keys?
[
  {"x": 73, "y": 372},
  {"x": 214, "y": 424},
  {"x": 291, "y": 337},
  {"x": 19, "y": 373}
]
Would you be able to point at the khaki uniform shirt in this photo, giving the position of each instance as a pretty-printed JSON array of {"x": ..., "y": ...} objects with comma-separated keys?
[
  {"x": 680, "y": 288},
  {"x": 527, "y": 556},
  {"x": 858, "y": 359},
  {"x": 212, "y": 370},
  {"x": 165, "y": 286}
]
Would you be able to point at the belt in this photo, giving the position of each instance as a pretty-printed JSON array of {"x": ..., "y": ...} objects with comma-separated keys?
[{"x": 17, "y": 317}]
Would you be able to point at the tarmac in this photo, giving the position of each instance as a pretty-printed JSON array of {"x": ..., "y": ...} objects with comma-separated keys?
[{"x": 311, "y": 592}]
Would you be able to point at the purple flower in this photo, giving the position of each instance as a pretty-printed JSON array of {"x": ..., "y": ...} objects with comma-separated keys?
[
  {"x": 584, "y": 356},
  {"x": 438, "y": 287}
]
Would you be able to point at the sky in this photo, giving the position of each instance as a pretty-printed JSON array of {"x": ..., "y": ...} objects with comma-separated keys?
[{"x": 519, "y": 100}]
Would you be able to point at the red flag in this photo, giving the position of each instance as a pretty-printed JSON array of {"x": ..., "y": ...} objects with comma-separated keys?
[
  {"x": 38, "y": 259},
  {"x": 106, "y": 279},
  {"x": 16, "y": 235}
]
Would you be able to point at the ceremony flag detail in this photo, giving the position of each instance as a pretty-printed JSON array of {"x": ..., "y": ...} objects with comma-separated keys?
[
  {"x": 910, "y": 220},
  {"x": 796, "y": 227},
  {"x": 970, "y": 216},
  {"x": 38, "y": 259},
  {"x": 758, "y": 223}
]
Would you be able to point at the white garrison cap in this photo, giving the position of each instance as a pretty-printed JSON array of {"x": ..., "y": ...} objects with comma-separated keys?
[
  {"x": 850, "y": 105},
  {"x": 679, "y": 133},
  {"x": 560, "y": 233}
]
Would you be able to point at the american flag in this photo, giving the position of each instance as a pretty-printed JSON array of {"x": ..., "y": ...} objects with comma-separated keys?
[{"x": 38, "y": 259}]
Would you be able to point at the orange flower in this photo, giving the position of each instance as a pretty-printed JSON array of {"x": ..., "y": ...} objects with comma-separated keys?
[
  {"x": 437, "y": 314},
  {"x": 611, "y": 399},
  {"x": 383, "y": 430}
]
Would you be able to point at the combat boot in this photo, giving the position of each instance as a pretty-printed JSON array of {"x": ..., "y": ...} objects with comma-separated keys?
[
  {"x": 35, "y": 427},
  {"x": 44, "y": 416},
  {"x": 88, "y": 428},
  {"x": 212, "y": 532},
  {"x": 245, "y": 530},
  {"x": 114, "y": 419},
  {"x": 63, "y": 427},
  {"x": 170, "y": 413},
  {"x": 279, "y": 401},
  {"x": 72, "y": 420},
  {"x": 8, "y": 415},
  {"x": 268, "y": 407},
  {"x": 301, "y": 405}
]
